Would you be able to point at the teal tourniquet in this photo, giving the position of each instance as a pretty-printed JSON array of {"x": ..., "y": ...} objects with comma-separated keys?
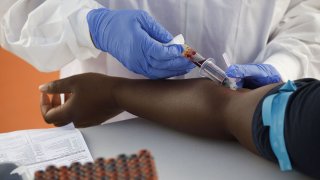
[{"x": 273, "y": 113}]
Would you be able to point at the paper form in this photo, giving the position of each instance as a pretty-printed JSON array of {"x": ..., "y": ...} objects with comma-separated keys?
[{"x": 36, "y": 149}]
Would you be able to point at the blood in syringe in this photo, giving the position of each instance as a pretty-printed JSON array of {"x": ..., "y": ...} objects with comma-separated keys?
[
  {"x": 193, "y": 56},
  {"x": 199, "y": 64}
]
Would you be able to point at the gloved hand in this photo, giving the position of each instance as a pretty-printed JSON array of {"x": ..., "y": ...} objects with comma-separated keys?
[
  {"x": 254, "y": 75},
  {"x": 135, "y": 39}
]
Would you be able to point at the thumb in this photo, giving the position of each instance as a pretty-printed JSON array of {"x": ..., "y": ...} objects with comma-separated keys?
[{"x": 57, "y": 87}]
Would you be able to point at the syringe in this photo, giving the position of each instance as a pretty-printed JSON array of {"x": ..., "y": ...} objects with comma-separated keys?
[{"x": 208, "y": 67}]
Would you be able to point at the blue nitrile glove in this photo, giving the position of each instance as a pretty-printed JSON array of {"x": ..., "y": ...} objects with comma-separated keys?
[
  {"x": 135, "y": 39},
  {"x": 253, "y": 75}
]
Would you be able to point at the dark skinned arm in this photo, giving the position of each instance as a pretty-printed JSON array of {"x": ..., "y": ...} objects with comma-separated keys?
[
  {"x": 197, "y": 106},
  {"x": 193, "y": 105}
]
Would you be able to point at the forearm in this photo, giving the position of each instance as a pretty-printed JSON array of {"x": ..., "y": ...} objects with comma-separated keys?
[{"x": 196, "y": 105}]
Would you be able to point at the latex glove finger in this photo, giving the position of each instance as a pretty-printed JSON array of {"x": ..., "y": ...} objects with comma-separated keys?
[
  {"x": 250, "y": 83},
  {"x": 153, "y": 28},
  {"x": 240, "y": 83},
  {"x": 179, "y": 63},
  {"x": 159, "y": 51},
  {"x": 248, "y": 70},
  {"x": 254, "y": 75}
]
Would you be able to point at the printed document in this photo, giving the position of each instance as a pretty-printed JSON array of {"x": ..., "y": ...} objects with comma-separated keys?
[{"x": 36, "y": 149}]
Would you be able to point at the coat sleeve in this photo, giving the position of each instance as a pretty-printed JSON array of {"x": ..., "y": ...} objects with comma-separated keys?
[
  {"x": 48, "y": 34},
  {"x": 294, "y": 46}
]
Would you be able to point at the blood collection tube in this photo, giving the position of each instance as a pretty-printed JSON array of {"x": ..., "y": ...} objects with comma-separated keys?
[
  {"x": 39, "y": 175},
  {"x": 193, "y": 55},
  {"x": 208, "y": 67},
  {"x": 135, "y": 172},
  {"x": 136, "y": 166}
]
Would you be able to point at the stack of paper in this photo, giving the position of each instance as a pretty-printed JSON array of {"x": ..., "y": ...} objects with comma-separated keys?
[{"x": 36, "y": 149}]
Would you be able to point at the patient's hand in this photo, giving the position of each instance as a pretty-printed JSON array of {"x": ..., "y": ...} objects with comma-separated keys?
[{"x": 88, "y": 100}]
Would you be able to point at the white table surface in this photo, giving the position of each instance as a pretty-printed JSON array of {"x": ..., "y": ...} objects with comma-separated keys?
[{"x": 181, "y": 156}]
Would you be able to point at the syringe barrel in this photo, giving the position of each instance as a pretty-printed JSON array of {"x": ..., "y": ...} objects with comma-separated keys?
[{"x": 211, "y": 70}]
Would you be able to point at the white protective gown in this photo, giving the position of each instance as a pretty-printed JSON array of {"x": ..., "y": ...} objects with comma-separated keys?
[{"x": 53, "y": 34}]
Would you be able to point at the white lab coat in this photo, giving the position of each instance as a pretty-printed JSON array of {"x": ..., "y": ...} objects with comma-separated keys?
[{"x": 51, "y": 34}]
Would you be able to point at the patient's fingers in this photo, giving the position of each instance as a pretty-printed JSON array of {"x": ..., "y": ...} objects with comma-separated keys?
[
  {"x": 67, "y": 96},
  {"x": 56, "y": 100},
  {"x": 60, "y": 124},
  {"x": 45, "y": 104},
  {"x": 57, "y": 115},
  {"x": 61, "y": 114},
  {"x": 57, "y": 87}
]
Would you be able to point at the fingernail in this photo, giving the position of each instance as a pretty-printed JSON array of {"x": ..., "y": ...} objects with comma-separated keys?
[{"x": 43, "y": 87}]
